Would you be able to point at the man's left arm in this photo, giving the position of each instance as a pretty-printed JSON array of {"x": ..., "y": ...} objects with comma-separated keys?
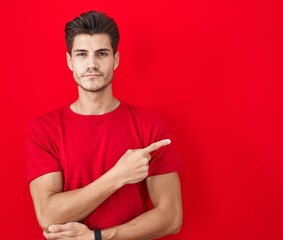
[{"x": 165, "y": 218}]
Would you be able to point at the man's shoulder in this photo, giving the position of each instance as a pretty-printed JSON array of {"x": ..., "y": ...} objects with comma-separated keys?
[
  {"x": 141, "y": 112},
  {"x": 142, "y": 116},
  {"x": 50, "y": 117}
]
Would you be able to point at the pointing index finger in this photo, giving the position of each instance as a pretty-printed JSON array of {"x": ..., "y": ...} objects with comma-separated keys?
[{"x": 156, "y": 145}]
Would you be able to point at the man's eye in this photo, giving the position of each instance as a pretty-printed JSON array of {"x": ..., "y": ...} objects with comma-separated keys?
[
  {"x": 81, "y": 54},
  {"x": 102, "y": 54}
]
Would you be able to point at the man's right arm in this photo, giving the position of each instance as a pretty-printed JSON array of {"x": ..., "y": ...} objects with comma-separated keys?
[{"x": 53, "y": 206}]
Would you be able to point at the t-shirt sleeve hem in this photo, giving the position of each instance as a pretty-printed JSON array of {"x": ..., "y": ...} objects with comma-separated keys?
[
  {"x": 43, "y": 172},
  {"x": 165, "y": 171}
]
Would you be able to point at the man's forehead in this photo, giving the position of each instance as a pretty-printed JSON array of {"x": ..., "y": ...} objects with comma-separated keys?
[{"x": 92, "y": 42}]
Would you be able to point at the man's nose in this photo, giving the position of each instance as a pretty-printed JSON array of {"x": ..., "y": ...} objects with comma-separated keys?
[{"x": 92, "y": 62}]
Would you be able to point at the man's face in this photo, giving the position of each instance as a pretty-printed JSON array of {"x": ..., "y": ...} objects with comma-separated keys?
[{"x": 93, "y": 62}]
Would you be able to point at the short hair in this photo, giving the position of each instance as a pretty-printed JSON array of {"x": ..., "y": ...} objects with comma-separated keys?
[{"x": 90, "y": 23}]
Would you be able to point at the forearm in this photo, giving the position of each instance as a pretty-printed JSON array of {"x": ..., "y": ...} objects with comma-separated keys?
[
  {"x": 77, "y": 204},
  {"x": 150, "y": 225},
  {"x": 165, "y": 218}
]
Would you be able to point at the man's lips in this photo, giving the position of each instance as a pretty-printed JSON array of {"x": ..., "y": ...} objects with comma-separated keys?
[{"x": 92, "y": 75}]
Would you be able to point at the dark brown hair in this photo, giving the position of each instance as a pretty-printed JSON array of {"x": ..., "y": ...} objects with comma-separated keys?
[{"x": 91, "y": 23}]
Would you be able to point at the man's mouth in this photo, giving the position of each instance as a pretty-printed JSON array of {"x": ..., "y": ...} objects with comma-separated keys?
[{"x": 91, "y": 75}]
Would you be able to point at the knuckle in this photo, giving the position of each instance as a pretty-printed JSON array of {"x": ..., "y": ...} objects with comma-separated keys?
[
  {"x": 70, "y": 225},
  {"x": 144, "y": 161}
]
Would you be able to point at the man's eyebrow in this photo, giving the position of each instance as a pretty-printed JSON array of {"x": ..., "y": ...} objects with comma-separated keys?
[
  {"x": 98, "y": 50},
  {"x": 103, "y": 50},
  {"x": 80, "y": 50}
]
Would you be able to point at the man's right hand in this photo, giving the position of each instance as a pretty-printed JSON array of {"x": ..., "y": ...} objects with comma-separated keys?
[{"x": 133, "y": 166}]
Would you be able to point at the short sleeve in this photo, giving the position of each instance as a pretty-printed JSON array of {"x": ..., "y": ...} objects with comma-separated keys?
[
  {"x": 165, "y": 159},
  {"x": 42, "y": 155}
]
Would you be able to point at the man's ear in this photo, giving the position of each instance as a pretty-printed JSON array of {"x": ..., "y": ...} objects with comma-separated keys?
[
  {"x": 69, "y": 63},
  {"x": 116, "y": 59}
]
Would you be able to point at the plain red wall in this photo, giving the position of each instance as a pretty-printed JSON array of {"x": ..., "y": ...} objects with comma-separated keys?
[{"x": 211, "y": 69}]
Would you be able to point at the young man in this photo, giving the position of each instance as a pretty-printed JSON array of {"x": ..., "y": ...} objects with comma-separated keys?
[{"x": 93, "y": 164}]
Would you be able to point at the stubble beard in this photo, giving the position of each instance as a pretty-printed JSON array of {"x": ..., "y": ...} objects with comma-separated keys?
[{"x": 94, "y": 89}]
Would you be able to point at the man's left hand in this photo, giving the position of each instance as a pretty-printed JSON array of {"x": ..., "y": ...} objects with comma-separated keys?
[{"x": 69, "y": 231}]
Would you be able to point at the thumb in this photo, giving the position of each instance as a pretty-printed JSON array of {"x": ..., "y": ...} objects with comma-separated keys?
[{"x": 57, "y": 228}]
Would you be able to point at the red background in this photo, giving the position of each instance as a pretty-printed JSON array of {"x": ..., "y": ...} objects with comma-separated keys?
[{"x": 211, "y": 69}]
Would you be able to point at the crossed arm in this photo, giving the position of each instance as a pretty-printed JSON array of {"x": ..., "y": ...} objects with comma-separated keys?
[{"x": 58, "y": 212}]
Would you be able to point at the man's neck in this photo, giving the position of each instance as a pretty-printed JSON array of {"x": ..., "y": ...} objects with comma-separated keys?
[{"x": 95, "y": 103}]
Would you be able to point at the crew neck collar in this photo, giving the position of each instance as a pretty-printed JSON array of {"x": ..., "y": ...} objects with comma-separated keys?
[{"x": 97, "y": 116}]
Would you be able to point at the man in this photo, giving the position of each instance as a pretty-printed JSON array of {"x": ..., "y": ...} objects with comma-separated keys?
[{"x": 93, "y": 164}]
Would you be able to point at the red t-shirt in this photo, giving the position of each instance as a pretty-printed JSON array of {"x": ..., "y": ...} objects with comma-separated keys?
[{"x": 84, "y": 147}]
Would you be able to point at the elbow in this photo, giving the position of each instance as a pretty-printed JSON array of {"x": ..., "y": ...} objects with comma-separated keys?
[
  {"x": 176, "y": 223},
  {"x": 176, "y": 226},
  {"x": 43, "y": 224},
  {"x": 44, "y": 221}
]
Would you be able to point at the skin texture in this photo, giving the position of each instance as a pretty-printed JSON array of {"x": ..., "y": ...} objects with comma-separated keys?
[{"x": 93, "y": 63}]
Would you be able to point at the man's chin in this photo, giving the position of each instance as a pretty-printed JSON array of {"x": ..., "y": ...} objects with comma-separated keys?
[{"x": 94, "y": 89}]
